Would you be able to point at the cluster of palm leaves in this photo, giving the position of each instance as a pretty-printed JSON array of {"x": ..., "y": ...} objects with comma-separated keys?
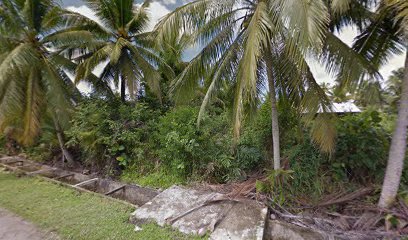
[
  {"x": 32, "y": 82},
  {"x": 249, "y": 47},
  {"x": 41, "y": 44},
  {"x": 263, "y": 44}
]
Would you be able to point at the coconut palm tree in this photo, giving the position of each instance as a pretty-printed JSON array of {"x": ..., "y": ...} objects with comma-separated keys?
[
  {"x": 171, "y": 52},
  {"x": 253, "y": 43},
  {"x": 32, "y": 81},
  {"x": 393, "y": 89},
  {"x": 385, "y": 36},
  {"x": 370, "y": 94},
  {"x": 399, "y": 138},
  {"x": 120, "y": 43}
]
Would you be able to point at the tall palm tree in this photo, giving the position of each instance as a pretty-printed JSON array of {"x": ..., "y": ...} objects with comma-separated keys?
[
  {"x": 251, "y": 43},
  {"x": 171, "y": 51},
  {"x": 32, "y": 81},
  {"x": 120, "y": 42},
  {"x": 385, "y": 36},
  {"x": 399, "y": 138},
  {"x": 370, "y": 94}
]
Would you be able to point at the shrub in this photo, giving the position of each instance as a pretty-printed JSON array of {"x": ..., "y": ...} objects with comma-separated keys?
[
  {"x": 360, "y": 156},
  {"x": 257, "y": 133},
  {"x": 307, "y": 164},
  {"x": 112, "y": 133},
  {"x": 188, "y": 151},
  {"x": 362, "y": 147}
]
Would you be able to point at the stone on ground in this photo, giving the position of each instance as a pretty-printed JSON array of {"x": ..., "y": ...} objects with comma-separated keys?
[{"x": 224, "y": 219}]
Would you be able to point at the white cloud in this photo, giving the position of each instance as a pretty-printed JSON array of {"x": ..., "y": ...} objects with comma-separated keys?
[
  {"x": 169, "y": 1},
  {"x": 157, "y": 11}
]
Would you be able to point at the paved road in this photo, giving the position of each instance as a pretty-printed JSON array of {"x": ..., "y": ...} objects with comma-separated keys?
[{"x": 13, "y": 227}]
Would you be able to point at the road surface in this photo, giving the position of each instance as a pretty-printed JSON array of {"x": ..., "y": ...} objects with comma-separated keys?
[{"x": 13, "y": 227}]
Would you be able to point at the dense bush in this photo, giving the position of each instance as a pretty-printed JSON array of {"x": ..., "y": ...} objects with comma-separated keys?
[
  {"x": 362, "y": 147},
  {"x": 188, "y": 151},
  {"x": 112, "y": 134},
  {"x": 150, "y": 145},
  {"x": 360, "y": 156},
  {"x": 145, "y": 142},
  {"x": 307, "y": 163}
]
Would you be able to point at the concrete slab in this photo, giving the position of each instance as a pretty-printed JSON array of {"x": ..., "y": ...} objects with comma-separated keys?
[
  {"x": 246, "y": 220},
  {"x": 286, "y": 231},
  {"x": 183, "y": 209}
]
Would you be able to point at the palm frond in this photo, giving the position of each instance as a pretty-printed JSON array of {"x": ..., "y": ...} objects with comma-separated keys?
[
  {"x": 223, "y": 69},
  {"x": 86, "y": 67},
  {"x": 401, "y": 7},
  {"x": 380, "y": 40},
  {"x": 32, "y": 108},
  {"x": 184, "y": 86},
  {"x": 348, "y": 65},
  {"x": 256, "y": 39}
]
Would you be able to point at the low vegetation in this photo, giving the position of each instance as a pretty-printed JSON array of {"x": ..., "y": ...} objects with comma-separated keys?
[{"x": 74, "y": 215}]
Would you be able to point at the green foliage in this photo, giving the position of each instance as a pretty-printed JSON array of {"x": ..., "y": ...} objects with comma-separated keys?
[
  {"x": 31, "y": 78},
  {"x": 256, "y": 136},
  {"x": 160, "y": 150},
  {"x": 111, "y": 133},
  {"x": 46, "y": 146},
  {"x": 362, "y": 147},
  {"x": 360, "y": 157},
  {"x": 158, "y": 179},
  {"x": 2, "y": 144},
  {"x": 188, "y": 151},
  {"x": 277, "y": 185},
  {"x": 308, "y": 165}
]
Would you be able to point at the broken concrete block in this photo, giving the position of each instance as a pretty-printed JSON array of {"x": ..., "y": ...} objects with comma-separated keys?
[
  {"x": 286, "y": 231},
  {"x": 196, "y": 212},
  {"x": 246, "y": 220}
]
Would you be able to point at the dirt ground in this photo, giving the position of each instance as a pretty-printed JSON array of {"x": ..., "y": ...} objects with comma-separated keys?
[{"x": 13, "y": 227}]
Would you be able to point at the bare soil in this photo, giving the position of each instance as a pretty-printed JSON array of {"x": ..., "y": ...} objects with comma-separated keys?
[{"x": 13, "y": 227}]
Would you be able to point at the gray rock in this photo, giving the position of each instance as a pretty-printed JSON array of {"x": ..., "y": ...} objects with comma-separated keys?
[{"x": 225, "y": 219}]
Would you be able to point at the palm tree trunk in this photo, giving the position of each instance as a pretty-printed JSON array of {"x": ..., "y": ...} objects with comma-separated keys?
[
  {"x": 61, "y": 140},
  {"x": 122, "y": 89},
  {"x": 398, "y": 149},
  {"x": 274, "y": 111}
]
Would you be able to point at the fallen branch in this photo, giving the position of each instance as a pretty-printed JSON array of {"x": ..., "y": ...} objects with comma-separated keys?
[
  {"x": 348, "y": 197},
  {"x": 115, "y": 190},
  {"x": 86, "y": 182}
]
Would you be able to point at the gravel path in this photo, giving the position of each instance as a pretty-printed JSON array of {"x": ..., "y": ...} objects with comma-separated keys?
[{"x": 13, "y": 227}]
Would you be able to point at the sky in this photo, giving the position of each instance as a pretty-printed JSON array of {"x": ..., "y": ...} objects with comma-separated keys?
[{"x": 159, "y": 8}]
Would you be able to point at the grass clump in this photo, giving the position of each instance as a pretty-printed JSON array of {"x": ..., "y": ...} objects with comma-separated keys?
[{"x": 159, "y": 179}]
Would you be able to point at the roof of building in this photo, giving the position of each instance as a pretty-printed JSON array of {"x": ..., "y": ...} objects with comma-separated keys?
[{"x": 345, "y": 107}]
